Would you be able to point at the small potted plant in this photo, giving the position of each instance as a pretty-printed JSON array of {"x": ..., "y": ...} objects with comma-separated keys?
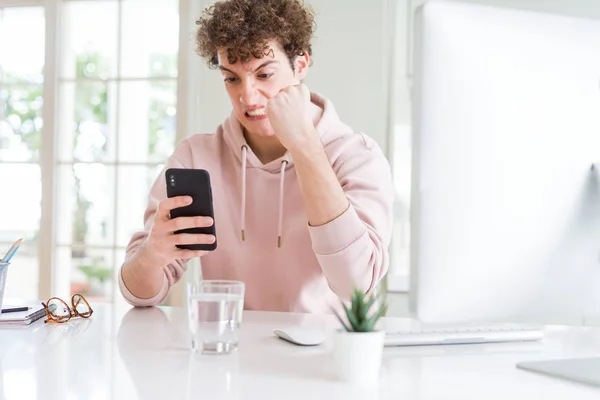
[{"x": 358, "y": 345}]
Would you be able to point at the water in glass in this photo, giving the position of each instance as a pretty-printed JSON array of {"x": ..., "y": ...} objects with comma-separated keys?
[{"x": 214, "y": 320}]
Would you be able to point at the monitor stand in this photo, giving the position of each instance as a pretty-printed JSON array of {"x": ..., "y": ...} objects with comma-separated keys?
[{"x": 582, "y": 370}]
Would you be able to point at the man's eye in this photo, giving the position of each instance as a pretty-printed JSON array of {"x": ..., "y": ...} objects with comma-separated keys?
[
  {"x": 265, "y": 76},
  {"x": 230, "y": 80}
]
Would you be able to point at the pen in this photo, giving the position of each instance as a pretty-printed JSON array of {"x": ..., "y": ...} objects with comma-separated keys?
[
  {"x": 11, "y": 252},
  {"x": 16, "y": 309}
]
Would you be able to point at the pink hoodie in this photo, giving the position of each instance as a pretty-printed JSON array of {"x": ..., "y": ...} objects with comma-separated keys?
[{"x": 314, "y": 264}]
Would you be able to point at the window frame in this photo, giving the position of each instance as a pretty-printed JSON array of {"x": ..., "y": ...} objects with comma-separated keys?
[{"x": 50, "y": 279}]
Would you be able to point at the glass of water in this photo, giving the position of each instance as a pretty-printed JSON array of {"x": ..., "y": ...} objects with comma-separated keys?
[{"x": 214, "y": 314}]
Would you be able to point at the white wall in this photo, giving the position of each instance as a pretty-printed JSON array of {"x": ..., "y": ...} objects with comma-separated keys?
[
  {"x": 352, "y": 49},
  {"x": 352, "y": 53},
  {"x": 351, "y": 66}
]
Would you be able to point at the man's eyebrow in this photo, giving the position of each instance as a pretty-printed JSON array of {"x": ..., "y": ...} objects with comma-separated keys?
[
  {"x": 265, "y": 64},
  {"x": 222, "y": 68}
]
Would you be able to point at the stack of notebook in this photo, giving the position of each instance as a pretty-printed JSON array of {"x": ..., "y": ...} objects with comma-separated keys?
[{"x": 23, "y": 317}]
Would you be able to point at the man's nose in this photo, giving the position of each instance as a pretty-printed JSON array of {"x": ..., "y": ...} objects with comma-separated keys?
[{"x": 248, "y": 95}]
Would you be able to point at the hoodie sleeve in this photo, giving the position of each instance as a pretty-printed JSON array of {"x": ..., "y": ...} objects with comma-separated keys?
[
  {"x": 174, "y": 270},
  {"x": 353, "y": 248}
]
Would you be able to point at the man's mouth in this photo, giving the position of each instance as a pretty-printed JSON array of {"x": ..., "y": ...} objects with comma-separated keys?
[{"x": 256, "y": 112}]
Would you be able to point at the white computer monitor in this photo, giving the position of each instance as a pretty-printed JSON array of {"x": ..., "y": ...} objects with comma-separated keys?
[{"x": 505, "y": 205}]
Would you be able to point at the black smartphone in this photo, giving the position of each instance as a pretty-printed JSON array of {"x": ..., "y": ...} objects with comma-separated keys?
[{"x": 196, "y": 184}]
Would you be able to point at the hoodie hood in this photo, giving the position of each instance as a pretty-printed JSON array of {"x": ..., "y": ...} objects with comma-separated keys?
[{"x": 234, "y": 137}]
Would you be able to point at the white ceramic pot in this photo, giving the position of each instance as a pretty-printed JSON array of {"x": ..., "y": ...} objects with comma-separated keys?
[{"x": 357, "y": 356}]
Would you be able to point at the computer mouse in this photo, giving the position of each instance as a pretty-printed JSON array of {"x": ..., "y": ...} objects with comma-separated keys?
[{"x": 301, "y": 335}]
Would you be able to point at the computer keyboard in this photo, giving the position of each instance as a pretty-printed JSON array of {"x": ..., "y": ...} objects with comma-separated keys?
[{"x": 463, "y": 335}]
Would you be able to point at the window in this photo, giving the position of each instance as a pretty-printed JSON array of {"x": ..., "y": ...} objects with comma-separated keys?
[
  {"x": 117, "y": 90},
  {"x": 21, "y": 101},
  {"x": 112, "y": 66},
  {"x": 400, "y": 142}
]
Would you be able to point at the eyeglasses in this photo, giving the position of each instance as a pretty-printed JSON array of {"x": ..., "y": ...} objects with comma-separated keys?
[{"x": 57, "y": 310}]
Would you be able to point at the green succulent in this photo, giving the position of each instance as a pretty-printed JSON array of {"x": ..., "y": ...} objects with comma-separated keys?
[{"x": 358, "y": 315}]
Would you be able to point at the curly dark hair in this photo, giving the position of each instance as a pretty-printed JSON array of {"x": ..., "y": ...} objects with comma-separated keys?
[{"x": 243, "y": 28}]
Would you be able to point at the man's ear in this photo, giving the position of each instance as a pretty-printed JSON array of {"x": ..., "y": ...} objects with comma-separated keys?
[{"x": 301, "y": 64}]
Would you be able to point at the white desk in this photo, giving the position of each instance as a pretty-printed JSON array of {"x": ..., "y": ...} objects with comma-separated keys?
[{"x": 142, "y": 354}]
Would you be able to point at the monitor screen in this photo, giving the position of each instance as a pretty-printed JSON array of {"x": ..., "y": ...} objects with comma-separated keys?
[{"x": 505, "y": 203}]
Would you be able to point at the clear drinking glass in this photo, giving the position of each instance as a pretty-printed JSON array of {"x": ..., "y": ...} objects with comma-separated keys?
[{"x": 215, "y": 310}]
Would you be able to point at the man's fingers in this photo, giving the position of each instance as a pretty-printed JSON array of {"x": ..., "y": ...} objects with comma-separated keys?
[
  {"x": 165, "y": 206},
  {"x": 185, "y": 254},
  {"x": 267, "y": 96},
  {"x": 193, "y": 238},
  {"x": 179, "y": 223}
]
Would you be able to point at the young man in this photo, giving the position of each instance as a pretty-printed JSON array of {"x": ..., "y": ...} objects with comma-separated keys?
[{"x": 303, "y": 205}]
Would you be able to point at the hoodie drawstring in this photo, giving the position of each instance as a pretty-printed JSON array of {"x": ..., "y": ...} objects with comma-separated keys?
[
  {"x": 280, "y": 217},
  {"x": 243, "y": 205},
  {"x": 243, "y": 222}
]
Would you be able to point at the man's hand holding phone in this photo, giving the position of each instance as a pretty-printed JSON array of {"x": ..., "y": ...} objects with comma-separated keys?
[{"x": 160, "y": 244}]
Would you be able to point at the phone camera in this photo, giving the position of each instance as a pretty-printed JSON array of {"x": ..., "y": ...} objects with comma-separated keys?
[{"x": 172, "y": 180}]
